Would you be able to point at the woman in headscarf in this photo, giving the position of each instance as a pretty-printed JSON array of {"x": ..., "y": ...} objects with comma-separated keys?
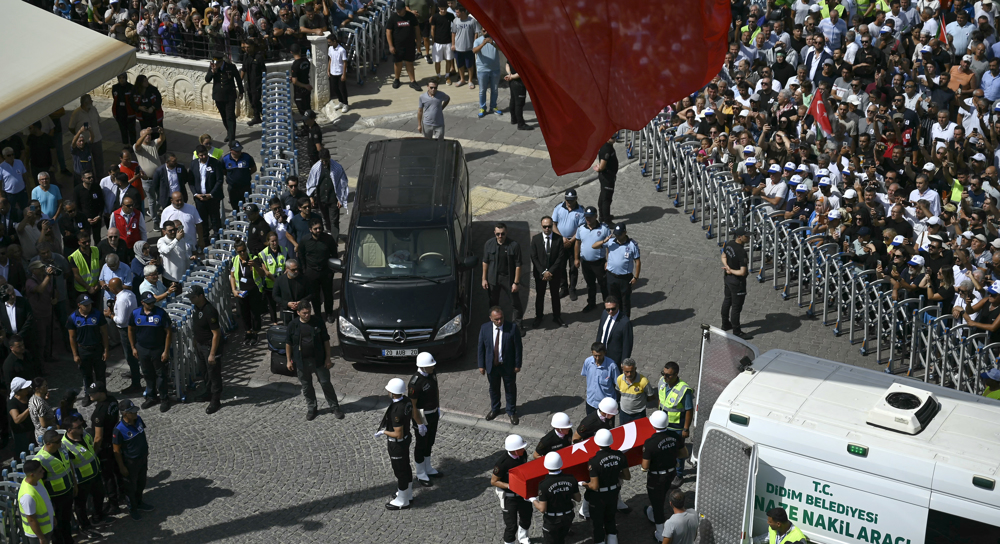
[
  {"x": 21, "y": 427},
  {"x": 140, "y": 261}
]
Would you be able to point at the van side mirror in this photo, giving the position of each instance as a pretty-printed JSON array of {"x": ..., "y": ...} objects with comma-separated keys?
[
  {"x": 470, "y": 261},
  {"x": 335, "y": 264}
]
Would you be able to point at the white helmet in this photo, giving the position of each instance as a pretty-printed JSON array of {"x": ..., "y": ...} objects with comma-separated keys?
[
  {"x": 396, "y": 386},
  {"x": 425, "y": 359},
  {"x": 603, "y": 438},
  {"x": 514, "y": 442},
  {"x": 658, "y": 419},
  {"x": 553, "y": 461},
  {"x": 561, "y": 421},
  {"x": 608, "y": 406}
]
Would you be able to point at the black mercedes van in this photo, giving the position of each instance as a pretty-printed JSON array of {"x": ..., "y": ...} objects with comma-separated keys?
[{"x": 408, "y": 266}]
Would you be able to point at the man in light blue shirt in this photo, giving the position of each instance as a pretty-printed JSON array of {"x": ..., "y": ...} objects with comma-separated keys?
[
  {"x": 488, "y": 68},
  {"x": 834, "y": 29},
  {"x": 961, "y": 32},
  {"x": 47, "y": 195},
  {"x": 991, "y": 81},
  {"x": 567, "y": 217},
  {"x": 592, "y": 259},
  {"x": 602, "y": 374},
  {"x": 113, "y": 268}
]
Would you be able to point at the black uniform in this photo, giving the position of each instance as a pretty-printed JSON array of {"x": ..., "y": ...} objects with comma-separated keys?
[
  {"x": 399, "y": 414},
  {"x": 591, "y": 424},
  {"x": 124, "y": 111},
  {"x": 556, "y": 491},
  {"x": 106, "y": 417},
  {"x": 552, "y": 442},
  {"x": 313, "y": 256},
  {"x": 661, "y": 451},
  {"x": 735, "y": 287},
  {"x": 607, "y": 464},
  {"x": 314, "y": 135},
  {"x": 206, "y": 320},
  {"x": 607, "y": 178},
  {"x": 225, "y": 80},
  {"x": 300, "y": 71},
  {"x": 513, "y": 505},
  {"x": 257, "y": 235},
  {"x": 254, "y": 70},
  {"x": 518, "y": 95},
  {"x": 424, "y": 390},
  {"x": 89, "y": 345}
]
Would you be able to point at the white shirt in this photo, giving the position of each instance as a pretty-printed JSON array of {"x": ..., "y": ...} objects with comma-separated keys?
[
  {"x": 202, "y": 168},
  {"x": 28, "y": 506},
  {"x": 10, "y": 315},
  {"x": 775, "y": 85},
  {"x": 172, "y": 179},
  {"x": 498, "y": 341},
  {"x": 852, "y": 51},
  {"x": 337, "y": 58},
  {"x": 608, "y": 325},
  {"x": 125, "y": 304},
  {"x": 12, "y": 176},
  {"x": 280, "y": 229},
  {"x": 946, "y": 133},
  {"x": 110, "y": 191},
  {"x": 189, "y": 218},
  {"x": 175, "y": 255},
  {"x": 931, "y": 196},
  {"x": 80, "y": 117}
]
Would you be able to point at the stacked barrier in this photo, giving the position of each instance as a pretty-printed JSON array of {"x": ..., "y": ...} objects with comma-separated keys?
[
  {"x": 910, "y": 337},
  {"x": 364, "y": 40}
]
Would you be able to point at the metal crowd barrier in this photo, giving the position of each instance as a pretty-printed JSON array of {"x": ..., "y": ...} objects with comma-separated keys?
[
  {"x": 910, "y": 337},
  {"x": 364, "y": 40}
]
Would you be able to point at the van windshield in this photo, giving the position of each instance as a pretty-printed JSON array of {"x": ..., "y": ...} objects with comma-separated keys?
[{"x": 403, "y": 253}]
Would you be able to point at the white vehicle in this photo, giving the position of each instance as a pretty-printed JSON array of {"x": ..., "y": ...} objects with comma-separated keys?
[{"x": 853, "y": 455}]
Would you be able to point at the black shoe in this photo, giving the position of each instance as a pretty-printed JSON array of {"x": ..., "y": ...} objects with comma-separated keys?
[
  {"x": 338, "y": 413},
  {"x": 525, "y": 127},
  {"x": 563, "y": 292},
  {"x": 310, "y": 415},
  {"x": 513, "y": 419},
  {"x": 559, "y": 321},
  {"x": 743, "y": 335},
  {"x": 727, "y": 328},
  {"x": 589, "y": 307},
  {"x": 396, "y": 84},
  {"x": 135, "y": 514},
  {"x": 536, "y": 322},
  {"x": 437, "y": 474},
  {"x": 331, "y": 319},
  {"x": 113, "y": 510},
  {"x": 145, "y": 507},
  {"x": 150, "y": 402},
  {"x": 133, "y": 389},
  {"x": 226, "y": 139},
  {"x": 625, "y": 510},
  {"x": 425, "y": 483},
  {"x": 213, "y": 408},
  {"x": 427, "y": 58},
  {"x": 491, "y": 415},
  {"x": 390, "y": 506},
  {"x": 254, "y": 121},
  {"x": 572, "y": 294},
  {"x": 254, "y": 340},
  {"x": 86, "y": 401},
  {"x": 415, "y": 86},
  {"x": 164, "y": 406},
  {"x": 523, "y": 332}
]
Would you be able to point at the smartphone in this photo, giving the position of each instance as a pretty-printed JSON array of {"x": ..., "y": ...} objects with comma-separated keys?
[{"x": 86, "y": 125}]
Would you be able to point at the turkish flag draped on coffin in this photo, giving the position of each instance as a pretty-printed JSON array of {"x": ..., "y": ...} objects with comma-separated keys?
[
  {"x": 524, "y": 479},
  {"x": 594, "y": 67}
]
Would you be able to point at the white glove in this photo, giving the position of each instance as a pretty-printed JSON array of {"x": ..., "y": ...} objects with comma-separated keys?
[
  {"x": 533, "y": 499},
  {"x": 378, "y": 434},
  {"x": 422, "y": 429}
]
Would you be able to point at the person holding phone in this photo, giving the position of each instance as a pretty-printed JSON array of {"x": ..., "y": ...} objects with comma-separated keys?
[{"x": 246, "y": 278}]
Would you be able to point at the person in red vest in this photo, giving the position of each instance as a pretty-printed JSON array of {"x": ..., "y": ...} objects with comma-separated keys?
[{"x": 129, "y": 222}]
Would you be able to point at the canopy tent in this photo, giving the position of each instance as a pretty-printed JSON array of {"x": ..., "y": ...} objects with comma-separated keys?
[{"x": 49, "y": 62}]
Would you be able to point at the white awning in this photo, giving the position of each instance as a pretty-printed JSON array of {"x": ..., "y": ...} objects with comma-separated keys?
[{"x": 49, "y": 62}]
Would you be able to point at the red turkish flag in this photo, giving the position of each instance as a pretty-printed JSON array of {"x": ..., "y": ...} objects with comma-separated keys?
[
  {"x": 942, "y": 33},
  {"x": 818, "y": 110},
  {"x": 593, "y": 68},
  {"x": 524, "y": 479}
]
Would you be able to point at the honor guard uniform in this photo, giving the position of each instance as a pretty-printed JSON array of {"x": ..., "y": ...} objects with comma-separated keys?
[
  {"x": 424, "y": 394},
  {"x": 396, "y": 428},
  {"x": 607, "y": 467},
  {"x": 603, "y": 418},
  {"x": 659, "y": 462},
  {"x": 516, "y": 510},
  {"x": 556, "y": 494},
  {"x": 559, "y": 437}
]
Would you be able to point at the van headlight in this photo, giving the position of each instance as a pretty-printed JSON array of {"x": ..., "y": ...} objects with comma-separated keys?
[
  {"x": 452, "y": 327},
  {"x": 348, "y": 329}
]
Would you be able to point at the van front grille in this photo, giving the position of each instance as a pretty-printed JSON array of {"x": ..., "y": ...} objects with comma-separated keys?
[{"x": 399, "y": 336}]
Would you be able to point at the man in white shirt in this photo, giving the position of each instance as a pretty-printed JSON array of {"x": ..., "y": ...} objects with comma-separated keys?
[
  {"x": 87, "y": 113},
  {"x": 277, "y": 219},
  {"x": 121, "y": 314},
  {"x": 337, "y": 71},
  {"x": 12, "y": 173},
  {"x": 189, "y": 217},
  {"x": 943, "y": 130},
  {"x": 175, "y": 252},
  {"x": 924, "y": 192}
]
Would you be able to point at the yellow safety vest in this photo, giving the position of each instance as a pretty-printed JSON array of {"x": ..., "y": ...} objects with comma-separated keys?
[
  {"x": 215, "y": 152},
  {"x": 671, "y": 400},
  {"x": 42, "y": 514},
  {"x": 88, "y": 271},
  {"x": 256, "y": 275},
  {"x": 58, "y": 480},
  {"x": 85, "y": 464},
  {"x": 793, "y": 535},
  {"x": 825, "y": 11},
  {"x": 275, "y": 264},
  {"x": 992, "y": 393}
]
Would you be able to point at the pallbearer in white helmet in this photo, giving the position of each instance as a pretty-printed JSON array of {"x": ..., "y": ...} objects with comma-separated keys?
[
  {"x": 606, "y": 468},
  {"x": 559, "y": 437},
  {"x": 602, "y": 418},
  {"x": 423, "y": 392},
  {"x": 659, "y": 461},
  {"x": 516, "y": 511},
  {"x": 396, "y": 428},
  {"x": 556, "y": 494}
]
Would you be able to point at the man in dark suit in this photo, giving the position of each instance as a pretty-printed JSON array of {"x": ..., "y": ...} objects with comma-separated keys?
[
  {"x": 208, "y": 177},
  {"x": 816, "y": 58},
  {"x": 168, "y": 178},
  {"x": 615, "y": 331},
  {"x": 291, "y": 288},
  {"x": 24, "y": 322},
  {"x": 123, "y": 189},
  {"x": 548, "y": 266},
  {"x": 499, "y": 355}
]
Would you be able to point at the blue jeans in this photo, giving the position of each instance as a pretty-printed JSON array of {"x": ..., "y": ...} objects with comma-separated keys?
[
  {"x": 625, "y": 418},
  {"x": 488, "y": 78}
]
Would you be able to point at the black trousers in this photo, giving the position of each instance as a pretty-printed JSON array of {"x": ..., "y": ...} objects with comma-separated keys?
[
  {"x": 338, "y": 89},
  {"x": 657, "y": 486},
  {"x": 399, "y": 458},
  {"x": 503, "y": 374},
  {"x": 570, "y": 276},
  {"x": 555, "y": 529},
  {"x": 236, "y": 193},
  {"x": 516, "y": 513},
  {"x": 503, "y": 285},
  {"x": 63, "y": 506},
  {"x": 254, "y": 93},
  {"x": 552, "y": 286},
  {"x": 213, "y": 372},
  {"x": 518, "y": 95},
  {"x": 251, "y": 306},
  {"x": 594, "y": 274},
  {"x": 732, "y": 305},
  {"x": 126, "y": 126},
  {"x": 604, "y": 201},
  {"x": 272, "y": 307},
  {"x": 425, "y": 443},
  {"x": 603, "y": 507},
  {"x": 135, "y": 481},
  {"x": 154, "y": 371},
  {"x": 619, "y": 286},
  {"x": 210, "y": 213},
  {"x": 91, "y": 488},
  {"x": 227, "y": 110},
  {"x": 331, "y": 217},
  {"x": 93, "y": 367},
  {"x": 302, "y": 100},
  {"x": 113, "y": 483},
  {"x": 323, "y": 282},
  {"x": 304, "y": 372}
]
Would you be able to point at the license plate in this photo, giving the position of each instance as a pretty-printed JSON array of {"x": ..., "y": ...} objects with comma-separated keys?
[{"x": 399, "y": 353}]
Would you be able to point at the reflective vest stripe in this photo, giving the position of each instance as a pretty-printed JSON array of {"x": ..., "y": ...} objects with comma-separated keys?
[
  {"x": 42, "y": 515},
  {"x": 793, "y": 535},
  {"x": 86, "y": 464},
  {"x": 671, "y": 402},
  {"x": 88, "y": 273},
  {"x": 236, "y": 274},
  {"x": 275, "y": 264},
  {"x": 57, "y": 473}
]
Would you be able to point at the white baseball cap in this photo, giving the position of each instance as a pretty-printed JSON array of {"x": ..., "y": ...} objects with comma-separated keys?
[
  {"x": 850, "y": 193},
  {"x": 824, "y": 182},
  {"x": 751, "y": 162},
  {"x": 744, "y": 113},
  {"x": 934, "y": 220},
  {"x": 979, "y": 157},
  {"x": 929, "y": 167},
  {"x": 916, "y": 260},
  {"x": 834, "y": 214},
  {"x": 795, "y": 180},
  {"x": 774, "y": 169},
  {"x": 748, "y": 149},
  {"x": 790, "y": 166}
]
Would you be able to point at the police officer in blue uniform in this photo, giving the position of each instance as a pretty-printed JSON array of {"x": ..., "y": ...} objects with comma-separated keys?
[
  {"x": 240, "y": 168},
  {"x": 590, "y": 258},
  {"x": 568, "y": 217},
  {"x": 88, "y": 339},
  {"x": 132, "y": 456},
  {"x": 149, "y": 331},
  {"x": 623, "y": 265}
]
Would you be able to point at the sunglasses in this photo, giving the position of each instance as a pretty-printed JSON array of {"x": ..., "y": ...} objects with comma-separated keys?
[{"x": 501, "y": 234}]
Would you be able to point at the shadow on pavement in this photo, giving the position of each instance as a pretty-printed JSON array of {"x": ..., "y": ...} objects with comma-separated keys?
[
  {"x": 666, "y": 316},
  {"x": 555, "y": 403},
  {"x": 647, "y": 214},
  {"x": 476, "y": 155},
  {"x": 783, "y": 322}
]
